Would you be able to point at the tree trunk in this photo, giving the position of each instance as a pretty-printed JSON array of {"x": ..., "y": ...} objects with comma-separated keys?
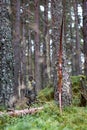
[
  {"x": 37, "y": 48},
  {"x": 48, "y": 55},
  {"x": 6, "y": 56},
  {"x": 56, "y": 9},
  {"x": 66, "y": 90},
  {"x": 30, "y": 61},
  {"x": 57, "y": 38},
  {"x": 78, "y": 53},
  {"x": 45, "y": 76},
  {"x": 16, "y": 43},
  {"x": 72, "y": 46},
  {"x": 30, "y": 68},
  {"x": 85, "y": 34},
  {"x": 22, "y": 85}
]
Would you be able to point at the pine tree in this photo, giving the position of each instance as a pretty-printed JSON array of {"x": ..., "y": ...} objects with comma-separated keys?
[
  {"x": 63, "y": 94},
  {"x": 37, "y": 48},
  {"x": 78, "y": 53},
  {"x": 85, "y": 34},
  {"x": 15, "y": 4},
  {"x": 6, "y": 55}
]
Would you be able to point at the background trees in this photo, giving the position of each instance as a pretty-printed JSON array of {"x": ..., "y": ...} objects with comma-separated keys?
[
  {"x": 30, "y": 39},
  {"x": 16, "y": 35}
]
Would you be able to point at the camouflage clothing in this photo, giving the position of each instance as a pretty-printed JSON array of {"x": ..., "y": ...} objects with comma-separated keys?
[{"x": 30, "y": 92}]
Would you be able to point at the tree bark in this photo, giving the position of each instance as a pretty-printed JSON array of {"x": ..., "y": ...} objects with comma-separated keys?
[
  {"x": 59, "y": 53},
  {"x": 72, "y": 45},
  {"x": 16, "y": 43},
  {"x": 56, "y": 27},
  {"x": 45, "y": 76},
  {"x": 37, "y": 49},
  {"x": 30, "y": 68},
  {"x": 22, "y": 85},
  {"x": 77, "y": 50},
  {"x": 85, "y": 34},
  {"x": 48, "y": 55},
  {"x": 6, "y": 55}
]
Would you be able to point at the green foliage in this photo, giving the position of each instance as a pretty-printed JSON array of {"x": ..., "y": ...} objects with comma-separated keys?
[
  {"x": 73, "y": 118},
  {"x": 2, "y": 108},
  {"x": 76, "y": 79},
  {"x": 46, "y": 94},
  {"x": 76, "y": 88},
  {"x": 5, "y": 119}
]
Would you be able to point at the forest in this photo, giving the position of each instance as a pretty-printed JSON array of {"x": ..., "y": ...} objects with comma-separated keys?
[{"x": 43, "y": 64}]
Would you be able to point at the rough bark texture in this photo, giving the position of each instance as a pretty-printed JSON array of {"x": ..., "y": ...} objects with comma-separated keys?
[
  {"x": 37, "y": 49},
  {"x": 45, "y": 76},
  {"x": 30, "y": 52},
  {"x": 56, "y": 23},
  {"x": 66, "y": 90},
  {"x": 77, "y": 50},
  {"x": 56, "y": 27},
  {"x": 72, "y": 47},
  {"x": 30, "y": 68},
  {"x": 22, "y": 79},
  {"x": 16, "y": 42},
  {"x": 85, "y": 34},
  {"x": 6, "y": 62},
  {"x": 48, "y": 55}
]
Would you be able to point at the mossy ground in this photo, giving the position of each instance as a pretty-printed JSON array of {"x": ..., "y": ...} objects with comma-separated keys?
[
  {"x": 77, "y": 88},
  {"x": 73, "y": 117}
]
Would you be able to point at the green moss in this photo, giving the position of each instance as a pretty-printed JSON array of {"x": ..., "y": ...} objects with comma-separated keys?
[
  {"x": 75, "y": 80},
  {"x": 73, "y": 118},
  {"x": 2, "y": 108},
  {"x": 46, "y": 94},
  {"x": 76, "y": 88}
]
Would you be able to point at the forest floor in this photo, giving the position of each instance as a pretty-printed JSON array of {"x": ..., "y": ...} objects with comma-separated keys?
[{"x": 49, "y": 118}]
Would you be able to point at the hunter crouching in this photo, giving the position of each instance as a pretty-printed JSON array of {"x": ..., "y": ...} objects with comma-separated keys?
[{"x": 30, "y": 91}]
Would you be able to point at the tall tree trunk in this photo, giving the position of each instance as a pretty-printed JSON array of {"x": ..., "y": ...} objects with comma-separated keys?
[
  {"x": 37, "y": 48},
  {"x": 6, "y": 55},
  {"x": 85, "y": 34},
  {"x": 30, "y": 71},
  {"x": 56, "y": 23},
  {"x": 48, "y": 55},
  {"x": 73, "y": 69},
  {"x": 16, "y": 43},
  {"x": 30, "y": 68},
  {"x": 45, "y": 77},
  {"x": 22, "y": 85},
  {"x": 66, "y": 88},
  {"x": 78, "y": 53},
  {"x": 58, "y": 55}
]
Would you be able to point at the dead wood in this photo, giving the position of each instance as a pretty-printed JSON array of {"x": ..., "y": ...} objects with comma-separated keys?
[{"x": 16, "y": 113}]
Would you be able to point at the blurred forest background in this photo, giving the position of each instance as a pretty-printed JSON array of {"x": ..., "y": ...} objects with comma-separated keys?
[{"x": 42, "y": 38}]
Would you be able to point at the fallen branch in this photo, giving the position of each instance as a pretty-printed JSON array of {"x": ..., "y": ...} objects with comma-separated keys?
[{"x": 22, "y": 112}]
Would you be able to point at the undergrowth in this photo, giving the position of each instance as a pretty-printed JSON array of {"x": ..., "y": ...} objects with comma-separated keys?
[
  {"x": 46, "y": 94},
  {"x": 73, "y": 118},
  {"x": 76, "y": 88}
]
